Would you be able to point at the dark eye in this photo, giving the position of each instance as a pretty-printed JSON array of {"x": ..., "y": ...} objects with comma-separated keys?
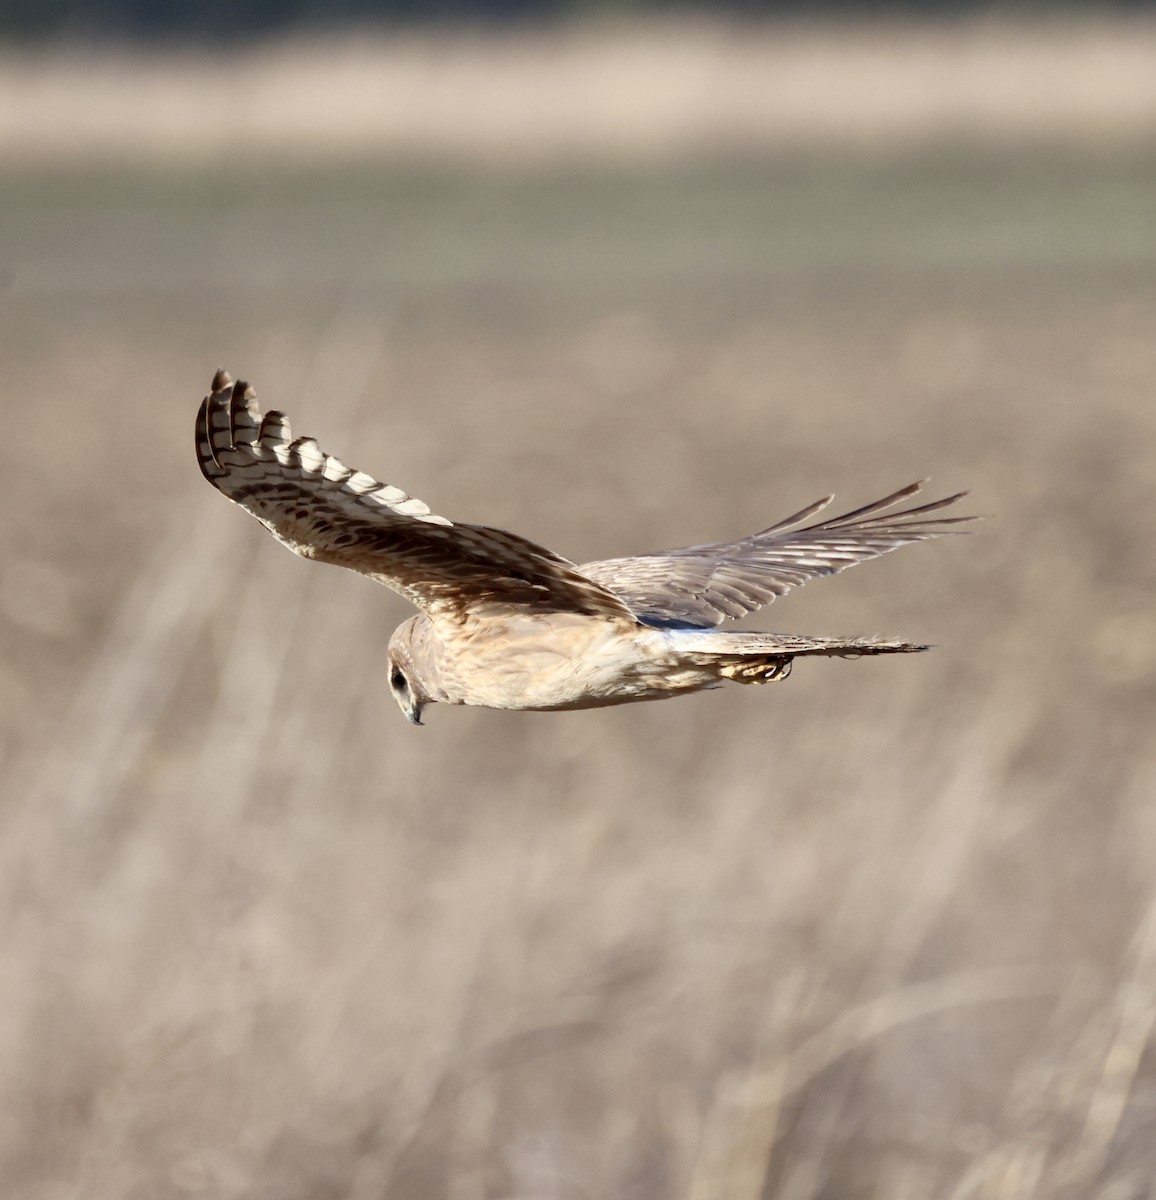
[{"x": 397, "y": 680}]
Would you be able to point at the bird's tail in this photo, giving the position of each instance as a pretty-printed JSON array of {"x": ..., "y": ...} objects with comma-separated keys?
[{"x": 749, "y": 657}]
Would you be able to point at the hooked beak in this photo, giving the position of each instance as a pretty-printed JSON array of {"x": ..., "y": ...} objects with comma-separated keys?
[{"x": 413, "y": 712}]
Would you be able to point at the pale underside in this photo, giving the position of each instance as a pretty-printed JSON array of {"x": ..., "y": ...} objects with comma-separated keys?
[{"x": 506, "y": 623}]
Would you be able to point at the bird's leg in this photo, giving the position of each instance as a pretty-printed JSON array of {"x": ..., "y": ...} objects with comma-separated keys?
[{"x": 762, "y": 668}]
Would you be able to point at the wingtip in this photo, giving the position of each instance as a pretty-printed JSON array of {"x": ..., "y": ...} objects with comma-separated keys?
[{"x": 221, "y": 380}]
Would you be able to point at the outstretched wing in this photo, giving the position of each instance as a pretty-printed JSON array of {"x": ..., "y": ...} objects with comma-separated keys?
[
  {"x": 701, "y": 586},
  {"x": 319, "y": 508}
]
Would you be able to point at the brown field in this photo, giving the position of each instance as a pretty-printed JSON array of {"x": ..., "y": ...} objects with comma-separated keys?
[
  {"x": 652, "y": 90},
  {"x": 887, "y": 930}
]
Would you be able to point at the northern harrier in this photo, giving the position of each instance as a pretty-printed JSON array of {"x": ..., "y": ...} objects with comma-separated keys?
[{"x": 505, "y": 623}]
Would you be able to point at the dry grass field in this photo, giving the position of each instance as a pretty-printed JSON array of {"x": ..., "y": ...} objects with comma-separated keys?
[{"x": 887, "y": 930}]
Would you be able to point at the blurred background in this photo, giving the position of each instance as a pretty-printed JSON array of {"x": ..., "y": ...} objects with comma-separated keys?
[{"x": 619, "y": 277}]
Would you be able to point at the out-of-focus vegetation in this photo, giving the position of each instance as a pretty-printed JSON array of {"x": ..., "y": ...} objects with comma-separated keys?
[
  {"x": 885, "y": 930},
  {"x": 212, "y": 20},
  {"x": 642, "y": 92}
]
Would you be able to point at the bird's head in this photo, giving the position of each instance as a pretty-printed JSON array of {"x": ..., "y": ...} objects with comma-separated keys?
[{"x": 408, "y": 667}]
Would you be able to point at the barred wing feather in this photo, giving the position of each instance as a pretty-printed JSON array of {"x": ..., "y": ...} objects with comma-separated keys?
[
  {"x": 702, "y": 586},
  {"x": 322, "y": 509}
]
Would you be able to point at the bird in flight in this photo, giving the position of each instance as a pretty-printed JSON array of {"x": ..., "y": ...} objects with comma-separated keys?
[{"x": 505, "y": 623}]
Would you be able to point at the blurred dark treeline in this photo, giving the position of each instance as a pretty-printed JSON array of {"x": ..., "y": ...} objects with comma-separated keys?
[{"x": 213, "y": 19}]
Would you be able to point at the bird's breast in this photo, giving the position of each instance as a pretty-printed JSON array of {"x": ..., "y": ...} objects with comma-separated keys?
[{"x": 545, "y": 661}]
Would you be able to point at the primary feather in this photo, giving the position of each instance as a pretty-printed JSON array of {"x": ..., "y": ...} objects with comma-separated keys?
[
  {"x": 320, "y": 508},
  {"x": 701, "y": 586}
]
